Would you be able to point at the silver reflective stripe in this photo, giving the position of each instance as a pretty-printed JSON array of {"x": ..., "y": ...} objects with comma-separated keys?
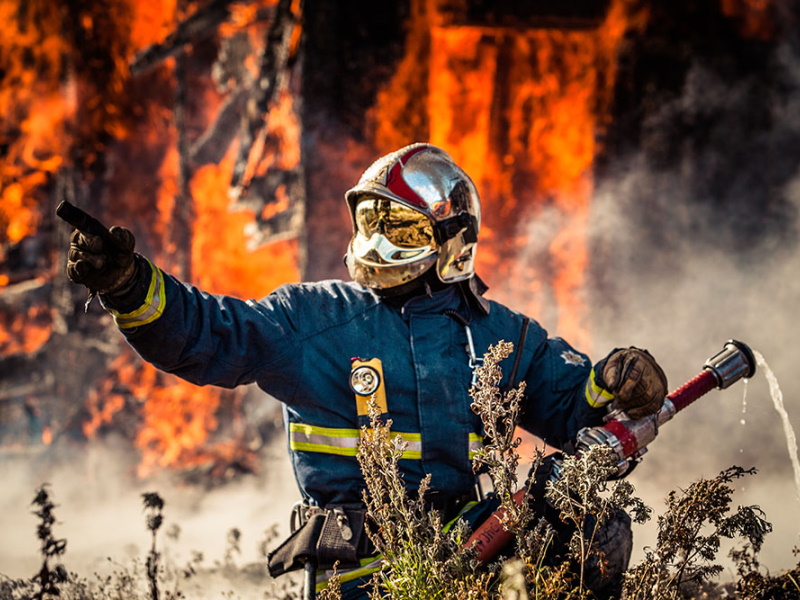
[{"x": 413, "y": 444}]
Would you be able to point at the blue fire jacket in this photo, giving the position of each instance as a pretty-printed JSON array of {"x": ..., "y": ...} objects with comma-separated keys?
[{"x": 297, "y": 345}]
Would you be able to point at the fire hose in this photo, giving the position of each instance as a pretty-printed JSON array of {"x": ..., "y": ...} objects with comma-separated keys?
[{"x": 629, "y": 438}]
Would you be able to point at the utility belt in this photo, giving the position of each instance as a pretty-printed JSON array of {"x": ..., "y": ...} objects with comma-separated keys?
[{"x": 336, "y": 533}]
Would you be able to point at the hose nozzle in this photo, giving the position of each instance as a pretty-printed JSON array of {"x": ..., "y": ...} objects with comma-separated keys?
[{"x": 734, "y": 362}]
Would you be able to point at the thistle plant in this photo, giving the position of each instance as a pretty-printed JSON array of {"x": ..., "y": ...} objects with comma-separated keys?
[
  {"x": 587, "y": 499},
  {"x": 499, "y": 413},
  {"x": 232, "y": 547},
  {"x": 754, "y": 584},
  {"x": 49, "y": 577},
  {"x": 689, "y": 535},
  {"x": 153, "y": 506},
  {"x": 422, "y": 560}
]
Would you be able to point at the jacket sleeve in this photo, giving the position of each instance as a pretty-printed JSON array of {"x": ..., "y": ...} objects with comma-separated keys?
[
  {"x": 557, "y": 405},
  {"x": 210, "y": 339}
]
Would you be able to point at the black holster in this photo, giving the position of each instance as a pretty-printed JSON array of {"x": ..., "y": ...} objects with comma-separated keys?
[{"x": 324, "y": 535}]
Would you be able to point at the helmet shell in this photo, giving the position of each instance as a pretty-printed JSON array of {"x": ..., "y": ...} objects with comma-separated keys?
[{"x": 426, "y": 179}]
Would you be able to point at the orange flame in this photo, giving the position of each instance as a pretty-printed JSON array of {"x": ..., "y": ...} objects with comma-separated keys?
[
  {"x": 34, "y": 104},
  {"x": 47, "y": 104},
  {"x": 520, "y": 111},
  {"x": 25, "y": 333},
  {"x": 755, "y": 18},
  {"x": 179, "y": 418}
]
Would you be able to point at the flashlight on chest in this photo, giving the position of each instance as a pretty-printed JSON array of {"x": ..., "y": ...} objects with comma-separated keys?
[{"x": 366, "y": 381}]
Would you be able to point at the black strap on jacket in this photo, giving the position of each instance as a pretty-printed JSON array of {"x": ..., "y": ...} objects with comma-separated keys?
[{"x": 523, "y": 334}]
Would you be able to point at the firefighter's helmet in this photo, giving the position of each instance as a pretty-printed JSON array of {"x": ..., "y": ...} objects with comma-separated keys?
[{"x": 413, "y": 210}]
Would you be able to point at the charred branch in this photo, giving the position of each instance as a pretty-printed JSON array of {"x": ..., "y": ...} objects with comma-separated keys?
[
  {"x": 199, "y": 26},
  {"x": 281, "y": 226},
  {"x": 182, "y": 209},
  {"x": 284, "y": 223},
  {"x": 211, "y": 147},
  {"x": 273, "y": 66}
]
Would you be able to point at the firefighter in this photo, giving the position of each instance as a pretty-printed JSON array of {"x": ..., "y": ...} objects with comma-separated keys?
[{"x": 409, "y": 329}]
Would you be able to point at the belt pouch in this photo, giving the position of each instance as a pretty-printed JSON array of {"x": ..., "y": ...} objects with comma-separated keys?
[{"x": 301, "y": 545}]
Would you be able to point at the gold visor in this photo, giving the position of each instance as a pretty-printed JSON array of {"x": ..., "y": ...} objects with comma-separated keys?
[{"x": 402, "y": 226}]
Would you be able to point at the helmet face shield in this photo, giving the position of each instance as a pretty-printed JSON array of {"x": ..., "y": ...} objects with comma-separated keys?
[
  {"x": 400, "y": 225},
  {"x": 392, "y": 243},
  {"x": 412, "y": 210}
]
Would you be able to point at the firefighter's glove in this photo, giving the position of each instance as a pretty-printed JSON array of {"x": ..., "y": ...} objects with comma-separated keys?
[
  {"x": 637, "y": 382},
  {"x": 106, "y": 266}
]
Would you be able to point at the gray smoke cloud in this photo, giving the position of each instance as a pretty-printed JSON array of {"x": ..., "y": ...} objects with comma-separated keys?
[
  {"x": 100, "y": 514},
  {"x": 680, "y": 271}
]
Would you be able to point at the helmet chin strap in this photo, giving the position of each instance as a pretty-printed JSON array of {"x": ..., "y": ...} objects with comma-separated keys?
[{"x": 426, "y": 284}]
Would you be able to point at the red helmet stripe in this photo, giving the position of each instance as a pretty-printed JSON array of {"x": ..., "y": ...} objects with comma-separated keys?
[{"x": 397, "y": 185}]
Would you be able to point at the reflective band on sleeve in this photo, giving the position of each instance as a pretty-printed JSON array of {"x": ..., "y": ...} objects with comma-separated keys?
[
  {"x": 153, "y": 306},
  {"x": 475, "y": 444},
  {"x": 595, "y": 395},
  {"x": 343, "y": 442}
]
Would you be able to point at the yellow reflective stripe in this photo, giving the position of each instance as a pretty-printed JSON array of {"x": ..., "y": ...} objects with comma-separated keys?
[
  {"x": 309, "y": 438},
  {"x": 342, "y": 442},
  {"x": 324, "y": 431},
  {"x": 595, "y": 395},
  {"x": 324, "y": 448},
  {"x": 153, "y": 306},
  {"x": 475, "y": 444},
  {"x": 368, "y": 566}
]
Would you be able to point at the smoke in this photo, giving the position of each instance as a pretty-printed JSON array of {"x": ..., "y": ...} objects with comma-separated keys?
[
  {"x": 694, "y": 242},
  {"x": 100, "y": 512}
]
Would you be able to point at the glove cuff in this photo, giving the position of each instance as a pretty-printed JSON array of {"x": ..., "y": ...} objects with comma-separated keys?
[
  {"x": 596, "y": 392},
  {"x": 132, "y": 292},
  {"x": 141, "y": 301}
]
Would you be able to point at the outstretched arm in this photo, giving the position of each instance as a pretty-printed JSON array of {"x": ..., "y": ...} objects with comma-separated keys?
[{"x": 200, "y": 337}]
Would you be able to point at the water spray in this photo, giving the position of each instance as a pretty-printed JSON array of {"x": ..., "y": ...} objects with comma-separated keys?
[{"x": 629, "y": 438}]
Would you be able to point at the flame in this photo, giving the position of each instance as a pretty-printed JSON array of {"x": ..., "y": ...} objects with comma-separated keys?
[
  {"x": 25, "y": 333},
  {"x": 51, "y": 103},
  {"x": 34, "y": 104},
  {"x": 520, "y": 111},
  {"x": 179, "y": 418},
  {"x": 755, "y": 18},
  {"x": 221, "y": 260}
]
